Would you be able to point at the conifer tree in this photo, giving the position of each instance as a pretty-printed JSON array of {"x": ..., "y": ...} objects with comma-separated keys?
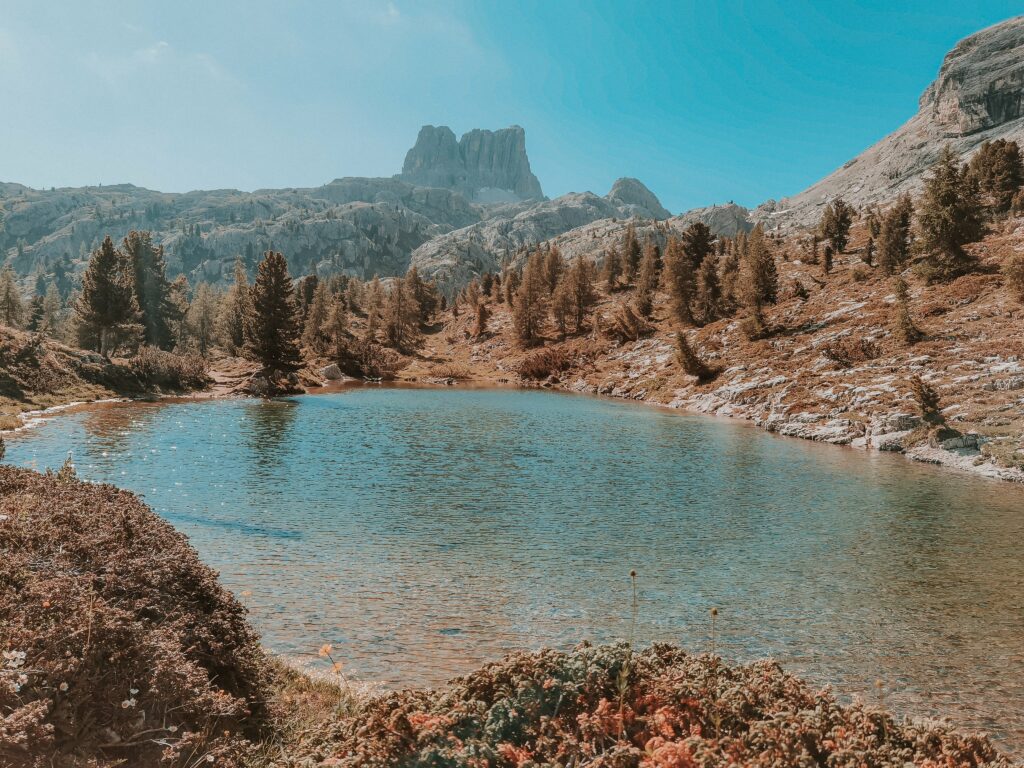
[
  {"x": 612, "y": 270},
  {"x": 201, "y": 318},
  {"x": 697, "y": 242},
  {"x": 647, "y": 278},
  {"x": 579, "y": 282},
  {"x": 761, "y": 274},
  {"x": 690, "y": 360},
  {"x": 51, "y": 309},
  {"x": 272, "y": 334},
  {"x": 826, "y": 263},
  {"x": 553, "y": 267},
  {"x": 35, "y": 314},
  {"x": 999, "y": 171},
  {"x": 928, "y": 402},
  {"x": 530, "y": 304},
  {"x": 896, "y": 235},
  {"x": 483, "y": 314},
  {"x": 679, "y": 279},
  {"x": 511, "y": 284},
  {"x": 107, "y": 310},
  {"x": 236, "y": 310},
  {"x": 486, "y": 284},
  {"x": 314, "y": 335},
  {"x": 12, "y": 310},
  {"x": 336, "y": 328},
  {"x": 835, "y": 224},
  {"x": 708, "y": 301},
  {"x": 152, "y": 290},
  {"x": 402, "y": 315},
  {"x": 949, "y": 217},
  {"x": 373, "y": 303},
  {"x": 631, "y": 253},
  {"x": 561, "y": 305},
  {"x": 904, "y": 327}
]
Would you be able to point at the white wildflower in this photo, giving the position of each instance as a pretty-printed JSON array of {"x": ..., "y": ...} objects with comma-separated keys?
[
  {"x": 63, "y": 687},
  {"x": 128, "y": 703}
]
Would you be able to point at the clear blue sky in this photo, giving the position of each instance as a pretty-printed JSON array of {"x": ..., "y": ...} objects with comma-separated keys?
[{"x": 703, "y": 101}]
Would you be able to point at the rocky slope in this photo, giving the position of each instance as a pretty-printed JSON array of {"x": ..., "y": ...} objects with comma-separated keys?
[
  {"x": 978, "y": 96},
  {"x": 799, "y": 382}
]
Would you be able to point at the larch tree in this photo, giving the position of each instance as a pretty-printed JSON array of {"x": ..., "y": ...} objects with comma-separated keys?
[
  {"x": 273, "y": 330},
  {"x": 530, "y": 303},
  {"x": 201, "y": 318},
  {"x": 52, "y": 308},
  {"x": 553, "y": 267},
  {"x": 949, "y": 217},
  {"x": 107, "y": 311},
  {"x": 314, "y": 335},
  {"x": 579, "y": 280},
  {"x": 631, "y": 253},
  {"x": 648, "y": 277},
  {"x": 612, "y": 270},
  {"x": 236, "y": 309},
  {"x": 401, "y": 316},
  {"x": 708, "y": 299},
  {"x": 336, "y": 327},
  {"x": 679, "y": 279}
]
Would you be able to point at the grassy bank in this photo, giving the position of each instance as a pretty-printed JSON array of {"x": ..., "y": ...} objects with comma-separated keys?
[{"x": 121, "y": 648}]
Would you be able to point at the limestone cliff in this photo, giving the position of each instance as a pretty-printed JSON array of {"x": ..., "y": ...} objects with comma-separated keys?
[{"x": 485, "y": 166}]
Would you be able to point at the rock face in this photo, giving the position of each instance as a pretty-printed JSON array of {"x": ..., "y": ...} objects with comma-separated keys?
[
  {"x": 631, "y": 194},
  {"x": 978, "y": 96},
  {"x": 484, "y": 166}
]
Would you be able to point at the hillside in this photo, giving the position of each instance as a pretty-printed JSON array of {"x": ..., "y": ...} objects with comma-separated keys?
[{"x": 832, "y": 370}]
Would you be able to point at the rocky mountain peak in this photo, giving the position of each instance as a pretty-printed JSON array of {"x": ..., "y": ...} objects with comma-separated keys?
[
  {"x": 981, "y": 82},
  {"x": 485, "y": 166},
  {"x": 633, "y": 194}
]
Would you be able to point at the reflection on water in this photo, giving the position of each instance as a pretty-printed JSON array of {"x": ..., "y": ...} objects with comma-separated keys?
[{"x": 424, "y": 532}]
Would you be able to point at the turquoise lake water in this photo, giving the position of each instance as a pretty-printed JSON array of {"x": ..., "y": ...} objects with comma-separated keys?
[{"x": 424, "y": 532}]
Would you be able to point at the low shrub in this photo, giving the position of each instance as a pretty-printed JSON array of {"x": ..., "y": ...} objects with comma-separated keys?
[
  {"x": 448, "y": 371},
  {"x": 847, "y": 351},
  {"x": 691, "y": 361},
  {"x": 170, "y": 371},
  {"x": 1013, "y": 270},
  {"x": 628, "y": 324},
  {"x": 545, "y": 362},
  {"x": 613, "y": 707},
  {"x": 119, "y": 646}
]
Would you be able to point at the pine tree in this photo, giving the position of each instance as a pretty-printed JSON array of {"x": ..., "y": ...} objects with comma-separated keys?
[
  {"x": 579, "y": 282},
  {"x": 949, "y": 217},
  {"x": 152, "y": 290},
  {"x": 35, "y": 314},
  {"x": 553, "y": 267},
  {"x": 896, "y": 236},
  {"x": 835, "y": 224},
  {"x": 530, "y": 304},
  {"x": 487, "y": 283},
  {"x": 51, "y": 310},
  {"x": 402, "y": 315},
  {"x": 826, "y": 264},
  {"x": 761, "y": 277},
  {"x": 904, "y": 327},
  {"x": 697, "y": 242},
  {"x": 511, "y": 284},
  {"x": 236, "y": 310},
  {"x": 373, "y": 303},
  {"x": 272, "y": 334},
  {"x": 928, "y": 402},
  {"x": 336, "y": 328},
  {"x": 690, "y": 360},
  {"x": 708, "y": 301},
  {"x": 647, "y": 278},
  {"x": 612, "y": 270},
  {"x": 631, "y": 253},
  {"x": 201, "y": 317},
  {"x": 314, "y": 337},
  {"x": 999, "y": 171},
  {"x": 562, "y": 305},
  {"x": 483, "y": 314},
  {"x": 679, "y": 279},
  {"x": 12, "y": 309},
  {"x": 107, "y": 310}
]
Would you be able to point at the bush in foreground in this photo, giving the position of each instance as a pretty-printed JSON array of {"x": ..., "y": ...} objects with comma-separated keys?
[
  {"x": 659, "y": 708},
  {"x": 119, "y": 646}
]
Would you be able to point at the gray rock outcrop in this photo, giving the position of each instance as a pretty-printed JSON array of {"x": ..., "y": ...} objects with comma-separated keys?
[{"x": 485, "y": 166}]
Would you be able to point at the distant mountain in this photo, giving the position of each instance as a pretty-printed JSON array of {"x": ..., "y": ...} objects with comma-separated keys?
[
  {"x": 978, "y": 96},
  {"x": 356, "y": 226}
]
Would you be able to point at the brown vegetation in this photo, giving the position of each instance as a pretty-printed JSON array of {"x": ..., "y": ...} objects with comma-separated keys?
[{"x": 118, "y": 644}]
